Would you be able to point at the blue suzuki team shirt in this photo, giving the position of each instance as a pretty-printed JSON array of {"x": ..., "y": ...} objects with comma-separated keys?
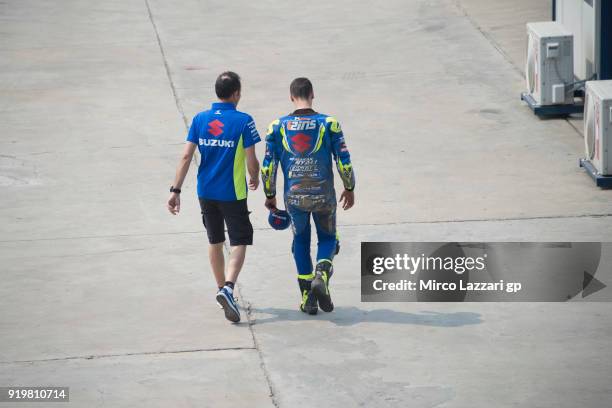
[{"x": 222, "y": 133}]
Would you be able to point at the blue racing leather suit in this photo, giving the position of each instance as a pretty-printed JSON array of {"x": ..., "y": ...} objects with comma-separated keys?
[{"x": 306, "y": 144}]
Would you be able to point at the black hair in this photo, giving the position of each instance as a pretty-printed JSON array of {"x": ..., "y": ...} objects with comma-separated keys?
[
  {"x": 227, "y": 83},
  {"x": 301, "y": 88}
]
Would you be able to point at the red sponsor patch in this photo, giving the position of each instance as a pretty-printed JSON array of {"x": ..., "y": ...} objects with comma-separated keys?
[
  {"x": 215, "y": 127},
  {"x": 301, "y": 142}
]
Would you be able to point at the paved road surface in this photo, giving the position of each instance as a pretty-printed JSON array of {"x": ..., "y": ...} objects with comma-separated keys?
[{"x": 105, "y": 292}]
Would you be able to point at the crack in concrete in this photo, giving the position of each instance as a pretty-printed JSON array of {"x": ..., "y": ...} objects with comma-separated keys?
[
  {"x": 118, "y": 251},
  {"x": 152, "y": 234},
  {"x": 577, "y": 130},
  {"x": 142, "y": 353},
  {"x": 177, "y": 100},
  {"x": 489, "y": 39},
  {"x": 381, "y": 224},
  {"x": 262, "y": 363},
  {"x": 499, "y": 49},
  {"x": 500, "y": 219},
  {"x": 250, "y": 322},
  {"x": 195, "y": 160},
  {"x": 179, "y": 106}
]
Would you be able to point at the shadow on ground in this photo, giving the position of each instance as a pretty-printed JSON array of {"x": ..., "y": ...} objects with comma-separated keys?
[{"x": 350, "y": 316}]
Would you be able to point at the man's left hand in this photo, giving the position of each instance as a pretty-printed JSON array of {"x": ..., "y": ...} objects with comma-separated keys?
[
  {"x": 347, "y": 199},
  {"x": 174, "y": 203},
  {"x": 253, "y": 183}
]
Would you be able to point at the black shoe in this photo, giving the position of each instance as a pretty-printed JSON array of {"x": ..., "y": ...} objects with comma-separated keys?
[
  {"x": 320, "y": 286},
  {"x": 309, "y": 303}
]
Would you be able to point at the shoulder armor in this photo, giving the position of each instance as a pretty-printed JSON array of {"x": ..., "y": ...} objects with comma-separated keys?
[
  {"x": 334, "y": 124},
  {"x": 271, "y": 126}
]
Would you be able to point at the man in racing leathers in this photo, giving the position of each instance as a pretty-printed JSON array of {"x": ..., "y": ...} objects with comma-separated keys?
[{"x": 305, "y": 143}]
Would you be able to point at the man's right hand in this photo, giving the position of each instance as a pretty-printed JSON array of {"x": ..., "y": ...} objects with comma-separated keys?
[
  {"x": 271, "y": 203},
  {"x": 174, "y": 203}
]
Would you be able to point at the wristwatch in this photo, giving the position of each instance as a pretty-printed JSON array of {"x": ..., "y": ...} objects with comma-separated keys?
[{"x": 175, "y": 190}]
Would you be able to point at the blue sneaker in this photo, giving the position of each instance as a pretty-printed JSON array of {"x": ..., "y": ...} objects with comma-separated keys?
[{"x": 225, "y": 297}]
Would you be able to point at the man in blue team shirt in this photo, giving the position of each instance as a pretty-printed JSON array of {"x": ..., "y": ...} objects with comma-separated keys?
[
  {"x": 306, "y": 144},
  {"x": 225, "y": 137}
]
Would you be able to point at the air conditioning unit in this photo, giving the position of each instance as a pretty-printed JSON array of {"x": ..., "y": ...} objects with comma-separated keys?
[
  {"x": 550, "y": 63},
  {"x": 598, "y": 126},
  {"x": 589, "y": 21}
]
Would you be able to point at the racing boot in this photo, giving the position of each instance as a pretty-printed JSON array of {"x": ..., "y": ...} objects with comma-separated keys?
[
  {"x": 309, "y": 302},
  {"x": 320, "y": 285}
]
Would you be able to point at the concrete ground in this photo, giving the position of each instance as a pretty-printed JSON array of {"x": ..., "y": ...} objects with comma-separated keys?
[{"x": 105, "y": 292}]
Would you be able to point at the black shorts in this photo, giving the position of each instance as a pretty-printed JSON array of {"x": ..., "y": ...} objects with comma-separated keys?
[{"x": 235, "y": 214}]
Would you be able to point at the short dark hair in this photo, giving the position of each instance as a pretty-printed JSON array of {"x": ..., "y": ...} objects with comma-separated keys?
[
  {"x": 227, "y": 83},
  {"x": 301, "y": 88}
]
